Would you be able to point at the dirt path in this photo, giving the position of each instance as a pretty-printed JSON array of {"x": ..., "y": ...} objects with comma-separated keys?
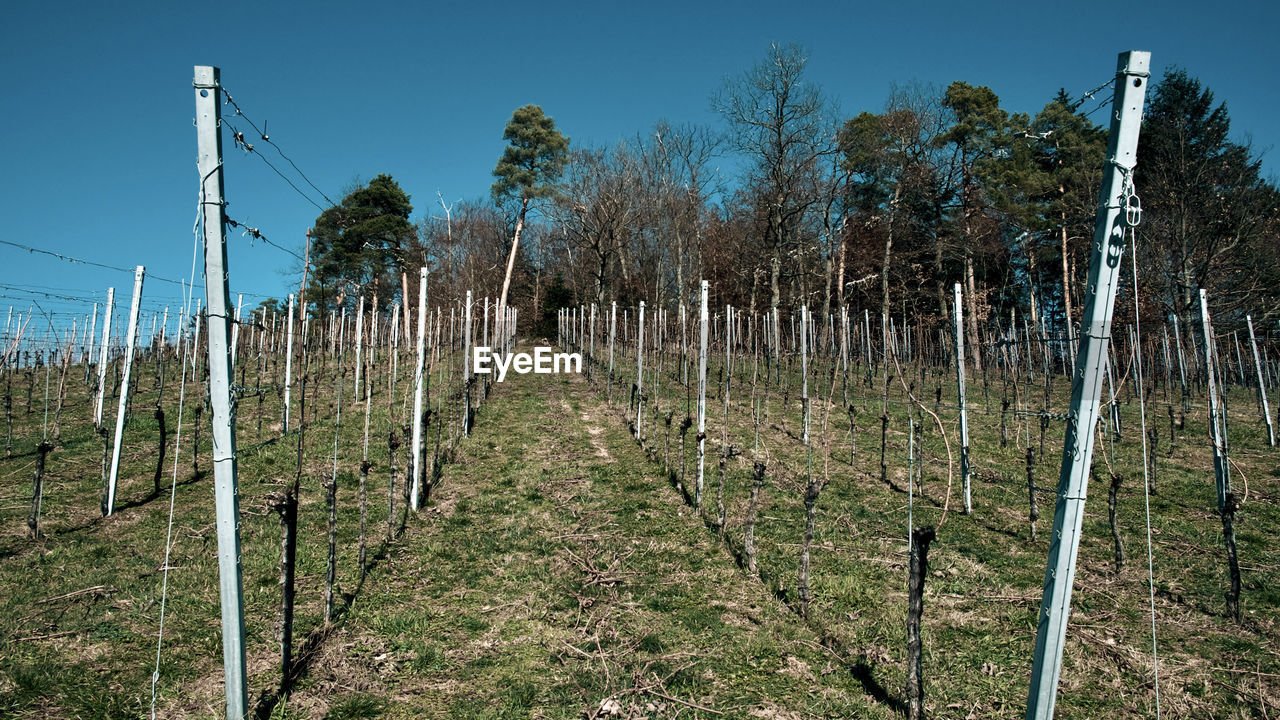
[{"x": 566, "y": 579}]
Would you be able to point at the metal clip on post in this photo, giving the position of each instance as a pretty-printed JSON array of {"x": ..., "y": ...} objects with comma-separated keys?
[{"x": 1132, "y": 210}]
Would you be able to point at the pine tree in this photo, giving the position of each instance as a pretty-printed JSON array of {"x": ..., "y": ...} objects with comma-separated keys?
[
  {"x": 1211, "y": 219},
  {"x": 365, "y": 239},
  {"x": 531, "y": 163}
]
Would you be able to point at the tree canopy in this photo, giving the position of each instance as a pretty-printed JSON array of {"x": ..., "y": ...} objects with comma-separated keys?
[
  {"x": 877, "y": 211},
  {"x": 361, "y": 244},
  {"x": 1210, "y": 217},
  {"x": 534, "y": 157},
  {"x": 533, "y": 160}
]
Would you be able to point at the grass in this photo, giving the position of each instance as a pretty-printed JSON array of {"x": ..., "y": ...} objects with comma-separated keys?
[
  {"x": 557, "y": 569},
  {"x": 987, "y": 573}
]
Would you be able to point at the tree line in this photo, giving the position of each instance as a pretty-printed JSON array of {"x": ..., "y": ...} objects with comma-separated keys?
[{"x": 878, "y": 211}]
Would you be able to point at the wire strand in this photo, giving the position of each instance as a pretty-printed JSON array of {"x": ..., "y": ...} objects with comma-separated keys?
[
  {"x": 168, "y": 541},
  {"x": 1146, "y": 479},
  {"x": 248, "y": 147},
  {"x": 256, "y": 234},
  {"x": 82, "y": 261},
  {"x": 265, "y": 138}
]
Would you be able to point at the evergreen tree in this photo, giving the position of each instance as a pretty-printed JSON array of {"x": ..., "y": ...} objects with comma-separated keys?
[
  {"x": 1044, "y": 180},
  {"x": 1209, "y": 218},
  {"x": 361, "y": 243},
  {"x": 975, "y": 136},
  {"x": 531, "y": 163}
]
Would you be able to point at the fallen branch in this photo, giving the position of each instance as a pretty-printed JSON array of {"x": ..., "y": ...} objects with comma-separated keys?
[
  {"x": 50, "y": 636},
  {"x": 96, "y": 589},
  {"x": 695, "y": 706}
]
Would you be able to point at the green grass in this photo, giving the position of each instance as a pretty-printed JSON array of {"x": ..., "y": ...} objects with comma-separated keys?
[
  {"x": 555, "y": 567},
  {"x": 987, "y": 574}
]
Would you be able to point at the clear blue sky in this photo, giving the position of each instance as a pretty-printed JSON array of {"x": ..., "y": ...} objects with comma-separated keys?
[{"x": 97, "y": 145}]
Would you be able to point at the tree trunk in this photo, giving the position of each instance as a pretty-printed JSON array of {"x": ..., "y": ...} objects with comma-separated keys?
[
  {"x": 331, "y": 566},
  {"x": 288, "y": 509},
  {"x": 1035, "y": 285},
  {"x": 679, "y": 271},
  {"x": 775, "y": 271},
  {"x": 159, "y": 415},
  {"x": 810, "y": 521},
  {"x": 511, "y": 258},
  {"x": 749, "y": 532},
  {"x": 921, "y": 538},
  {"x": 971, "y": 301},
  {"x": 944, "y": 305},
  {"x": 839, "y": 267},
  {"x": 888, "y": 252},
  {"x": 1066, "y": 274},
  {"x": 1031, "y": 488},
  {"x": 37, "y": 488},
  {"x": 1112, "y": 497},
  {"x": 1233, "y": 564},
  {"x": 393, "y": 444}
]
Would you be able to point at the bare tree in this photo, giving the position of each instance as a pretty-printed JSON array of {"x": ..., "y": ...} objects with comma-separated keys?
[
  {"x": 784, "y": 125},
  {"x": 678, "y": 158},
  {"x": 599, "y": 202}
]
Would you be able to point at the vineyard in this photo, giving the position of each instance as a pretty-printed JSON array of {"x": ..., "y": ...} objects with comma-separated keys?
[
  {"x": 722, "y": 513},
  {"x": 581, "y": 528}
]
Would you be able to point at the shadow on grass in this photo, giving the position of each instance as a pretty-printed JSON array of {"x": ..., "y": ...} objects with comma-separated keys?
[
  {"x": 858, "y": 669},
  {"x": 305, "y": 655},
  {"x": 17, "y": 548}
]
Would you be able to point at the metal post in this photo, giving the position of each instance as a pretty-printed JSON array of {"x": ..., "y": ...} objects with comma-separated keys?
[
  {"x": 226, "y": 492},
  {"x": 640, "y": 371},
  {"x": 1235, "y": 339},
  {"x": 359, "y": 347},
  {"x": 702, "y": 393},
  {"x": 195, "y": 339},
  {"x": 418, "y": 380},
  {"x": 288, "y": 366},
  {"x": 1216, "y": 420},
  {"x": 804, "y": 371},
  {"x": 964, "y": 410},
  {"x": 1262, "y": 386},
  {"x": 1086, "y": 387},
  {"x": 102, "y": 364},
  {"x": 613, "y": 327},
  {"x": 235, "y": 332},
  {"x": 131, "y": 338}
]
